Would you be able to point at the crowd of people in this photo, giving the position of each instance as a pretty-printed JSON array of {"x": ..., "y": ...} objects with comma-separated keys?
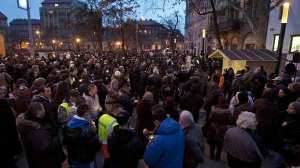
[{"x": 110, "y": 110}]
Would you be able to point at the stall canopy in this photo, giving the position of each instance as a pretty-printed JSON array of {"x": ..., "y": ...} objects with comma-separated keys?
[{"x": 238, "y": 59}]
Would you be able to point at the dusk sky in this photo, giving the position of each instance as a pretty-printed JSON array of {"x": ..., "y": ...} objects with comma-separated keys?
[{"x": 149, "y": 10}]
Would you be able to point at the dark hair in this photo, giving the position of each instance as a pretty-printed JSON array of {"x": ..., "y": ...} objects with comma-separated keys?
[
  {"x": 243, "y": 97},
  {"x": 82, "y": 109},
  {"x": 122, "y": 117},
  {"x": 158, "y": 112},
  {"x": 32, "y": 110}
]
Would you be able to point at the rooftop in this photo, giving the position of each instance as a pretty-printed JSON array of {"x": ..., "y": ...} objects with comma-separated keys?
[
  {"x": 57, "y": 1},
  {"x": 24, "y": 22},
  {"x": 246, "y": 54},
  {"x": 2, "y": 16}
]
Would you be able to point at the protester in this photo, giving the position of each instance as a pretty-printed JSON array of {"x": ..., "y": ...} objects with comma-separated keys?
[
  {"x": 166, "y": 148},
  {"x": 241, "y": 145},
  {"x": 194, "y": 141},
  {"x": 125, "y": 148},
  {"x": 81, "y": 140},
  {"x": 43, "y": 149}
]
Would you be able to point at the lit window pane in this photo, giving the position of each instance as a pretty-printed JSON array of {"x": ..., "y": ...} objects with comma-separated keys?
[
  {"x": 276, "y": 40},
  {"x": 295, "y": 44}
]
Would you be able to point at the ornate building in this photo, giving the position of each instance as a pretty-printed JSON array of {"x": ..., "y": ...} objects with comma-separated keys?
[
  {"x": 56, "y": 20},
  {"x": 242, "y": 24},
  {"x": 3, "y": 29}
]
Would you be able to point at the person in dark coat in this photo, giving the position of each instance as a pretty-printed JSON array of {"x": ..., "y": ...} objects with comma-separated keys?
[
  {"x": 218, "y": 121},
  {"x": 81, "y": 140},
  {"x": 194, "y": 140},
  {"x": 242, "y": 145},
  {"x": 243, "y": 105},
  {"x": 43, "y": 149},
  {"x": 9, "y": 134},
  {"x": 44, "y": 97},
  {"x": 290, "y": 133},
  {"x": 144, "y": 116},
  {"x": 125, "y": 148},
  {"x": 268, "y": 118}
]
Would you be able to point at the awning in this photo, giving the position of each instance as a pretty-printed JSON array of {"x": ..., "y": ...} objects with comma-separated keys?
[{"x": 245, "y": 54}]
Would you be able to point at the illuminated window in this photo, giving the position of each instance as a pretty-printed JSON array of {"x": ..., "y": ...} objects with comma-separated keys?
[
  {"x": 275, "y": 42},
  {"x": 295, "y": 44}
]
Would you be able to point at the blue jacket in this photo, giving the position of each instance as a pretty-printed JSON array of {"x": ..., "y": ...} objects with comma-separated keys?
[{"x": 166, "y": 150}]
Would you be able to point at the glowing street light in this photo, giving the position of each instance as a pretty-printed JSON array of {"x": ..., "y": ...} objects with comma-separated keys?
[
  {"x": 53, "y": 41},
  {"x": 283, "y": 20},
  {"x": 77, "y": 40},
  {"x": 37, "y": 32}
]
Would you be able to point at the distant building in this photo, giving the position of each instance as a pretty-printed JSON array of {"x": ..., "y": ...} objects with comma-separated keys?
[
  {"x": 3, "y": 29},
  {"x": 19, "y": 33},
  {"x": 233, "y": 18},
  {"x": 144, "y": 35},
  {"x": 56, "y": 20},
  {"x": 292, "y": 36}
]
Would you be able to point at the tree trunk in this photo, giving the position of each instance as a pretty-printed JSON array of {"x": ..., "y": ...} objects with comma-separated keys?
[{"x": 216, "y": 28}]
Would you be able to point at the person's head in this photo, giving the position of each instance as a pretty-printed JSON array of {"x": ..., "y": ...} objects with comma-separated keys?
[
  {"x": 92, "y": 89},
  {"x": 282, "y": 92},
  {"x": 186, "y": 119},
  {"x": 36, "y": 111},
  {"x": 243, "y": 97},
  {"x": 122, "y": 118},
  {"x": 158, "y": 114},
  {"x": 148, "y": 97},
  {"x": 45, "y": 91},
  {"x": 110, "y": 104},
  {"x": 3, "y": 92},
  {"x": 74, "y": 94},
  {"x": 247, "y": 120},
  {"x": 82, "y": 110},
  {"x": 269, "y": 93},
  {"x": 294, "y": 108},
  {"x": 294, "y": 87}
]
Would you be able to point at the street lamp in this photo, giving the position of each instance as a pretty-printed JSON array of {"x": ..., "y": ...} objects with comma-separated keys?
[
  {"x": 203, "y": 40},
  {"x": 78, "y": 40},
  {"x": 284, "y": 20}
]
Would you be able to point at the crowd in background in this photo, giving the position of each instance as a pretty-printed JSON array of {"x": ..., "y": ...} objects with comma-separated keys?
[{"x": 74, "y": 108}]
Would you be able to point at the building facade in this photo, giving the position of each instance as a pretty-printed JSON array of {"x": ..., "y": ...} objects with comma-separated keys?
[
  {"x": 3, "y": 31},
  {"x": 143, "y": 35},
  {"x": 242, "y": 24},
  {"x": 291, "y": 41},
  {"x": 19, "y": 32},
  {"x": 56, "y": 21}
]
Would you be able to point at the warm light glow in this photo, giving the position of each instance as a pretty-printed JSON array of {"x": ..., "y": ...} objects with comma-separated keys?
[
  {"x": 118, "y": 43},
  {"x": 285, "y": 12},
  {"x": 61, "y": 43},
  {"x": 53, "y": 41},
  {"x": 37, "y": 32},
  {"x": 78, "y": 40},
  {"x": 203, "y": 33}
]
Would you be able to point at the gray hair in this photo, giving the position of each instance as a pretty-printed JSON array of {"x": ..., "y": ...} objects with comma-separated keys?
[
  {"x": 186, "y": 119},
  {"x": 246, "y": 120}
]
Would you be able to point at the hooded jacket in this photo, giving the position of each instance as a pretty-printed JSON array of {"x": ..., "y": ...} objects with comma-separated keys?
[
  {"x": 81, "y": 140},
  {"x": 166, "y": 150}
]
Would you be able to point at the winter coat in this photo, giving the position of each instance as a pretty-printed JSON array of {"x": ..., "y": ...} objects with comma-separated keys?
[
  {"x": 194, "y": 146},
  {"x": 43, "y": 149},
  {"x": 81, "y": 140},
  {"x": 144, "y": 117},
  {"x": 192, "y": 102},
  {"x": 166, "y": 150},
  {"x": 94, "y": 105},
  {"x": 9, "y": 136},
  {"x": 50, "y": 111},
  {"x": 290, "y": 134},
  {"x": 268, "y": 121},
  {"x": 239, "y": 144},
  {"x": 219, "y": 120},
  {"x": 125, "y": 149}
]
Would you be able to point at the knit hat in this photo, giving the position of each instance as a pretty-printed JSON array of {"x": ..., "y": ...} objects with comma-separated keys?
[
  {"x": 246, "y": 120},
  {"x": 122, "y": 117}
]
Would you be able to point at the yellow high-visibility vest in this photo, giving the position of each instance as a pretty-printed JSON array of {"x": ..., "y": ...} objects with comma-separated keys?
[
  {"x": 65, "y": 106},
  {"x": 106, "y": 124}
]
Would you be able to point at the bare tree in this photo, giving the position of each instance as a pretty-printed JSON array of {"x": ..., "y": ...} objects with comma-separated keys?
[{"x": 171, "y": 22}]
